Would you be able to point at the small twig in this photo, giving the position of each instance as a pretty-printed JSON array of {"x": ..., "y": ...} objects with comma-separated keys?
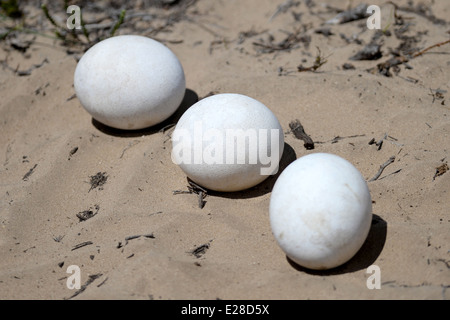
[
  {"x": 83, "y": 244},
  {"x": 102, "y": 283},
  {"x": 437, "y": 94},
  {"x": 71, "y": 97},
  {"x": 201, "y": 196},
  {"x": 385, "y": 138},
  {"x": 91, "y": 279},
  {"x": 194, "y": 188},
  {"x": 132, "y": 237},
  {"x": 131, "y": 144},
  {"x": 28, "y": 174},
  {"x": 384, "y": 67},
  {"x": 174, "y": 192},
  {"x": 338, "y": 138},
  {"x": 169, "y": 126},
  {"x": 395, "y": 172},
  {"x": 217, "y": 42},
  {"x": 357, "y": 13},
  {"x": 58, "y": 238},
  {"x": 153, "y": 213},
  {"x": 382, "y": 167},
  {"x": 72, "y": 152},
  {"x": 429, "y": 48},
  {"x": 379, "y": 144},
  {"x": 200, "y": 250},
  {"x": 150, "y": 236}
]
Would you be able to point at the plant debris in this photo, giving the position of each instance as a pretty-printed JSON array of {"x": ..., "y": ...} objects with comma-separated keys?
[
  {"x": 384, "y": 67},
  {"x": 379, "y": 143},
  {"x": 87, "y": 214},
  {"x": 20, "y": 44},
  {"x": 284, "y": 7},
  {"x": 29, "y": 173},
  {"x": 443, "y": 168},
  {"x": 438, "y": 94},
  {"x": 318, "y": 62},
  {"x": 98, "y": 180},
  {"x": 292, "y": 41},
  {"x": 299, "y": 132},
  {"x": 11, "y": 8},
  {"x": 26, "y": 72},
  {"x": 58, "y": 238},
  {"x": 91, "y": 279},
  {"x": 357, "y": 13},
  {"x": 284, "y": 72},
  {"x": 326, "y": 31},
  {"x": 72, "y": 152},
  {"x": 243, "y": 35},
  {"x": 209, "y": 94},
  {"x": 81, "y": 245},
  {"x": 194, "y": 188},
  {"x": 348, "y": 66},
  {"x": 370, "y": 52},
  {"x": 130, "y": 144},
  {"x": 148, "y": 236},
  {"x": 338, "y": 138},
  {"x": 199, "y": 251},
  {"x": 422, "y": 10},
  {"x": 382, "y": 167}
]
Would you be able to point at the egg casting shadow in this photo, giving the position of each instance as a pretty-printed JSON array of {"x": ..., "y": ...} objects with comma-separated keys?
[
  {"x": 190, "y": 98},
  {"x": 365, "y": 257},
  {"x": 265, "y": 186}
]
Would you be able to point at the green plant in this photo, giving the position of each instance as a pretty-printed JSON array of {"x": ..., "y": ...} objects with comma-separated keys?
[
  {"x": 71, "y": 36},
  {"x": 118, "y": 23},
  {"x": 11, "y": 8}
]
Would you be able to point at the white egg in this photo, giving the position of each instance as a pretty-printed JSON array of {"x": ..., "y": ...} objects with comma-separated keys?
[
  {"x": 228, "y": 142},
  {"x": 129, "y": 82},
  {"x": 320, "y": 211}
]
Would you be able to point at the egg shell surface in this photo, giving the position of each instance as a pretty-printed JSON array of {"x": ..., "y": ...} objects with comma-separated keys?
[
  {"x": 129, "y": 82},
  {"x": 216, "y": 120},
  {"x": 320, "y": 211}
]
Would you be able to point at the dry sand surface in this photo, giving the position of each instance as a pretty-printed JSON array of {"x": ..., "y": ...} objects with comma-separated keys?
[{"x": 51, "y": 152}]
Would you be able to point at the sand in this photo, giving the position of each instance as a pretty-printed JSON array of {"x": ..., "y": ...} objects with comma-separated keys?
[{"x": 141, "y": 241}]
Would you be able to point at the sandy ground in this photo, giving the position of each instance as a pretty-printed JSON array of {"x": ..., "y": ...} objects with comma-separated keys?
[{"x": 50, "y": 148}]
